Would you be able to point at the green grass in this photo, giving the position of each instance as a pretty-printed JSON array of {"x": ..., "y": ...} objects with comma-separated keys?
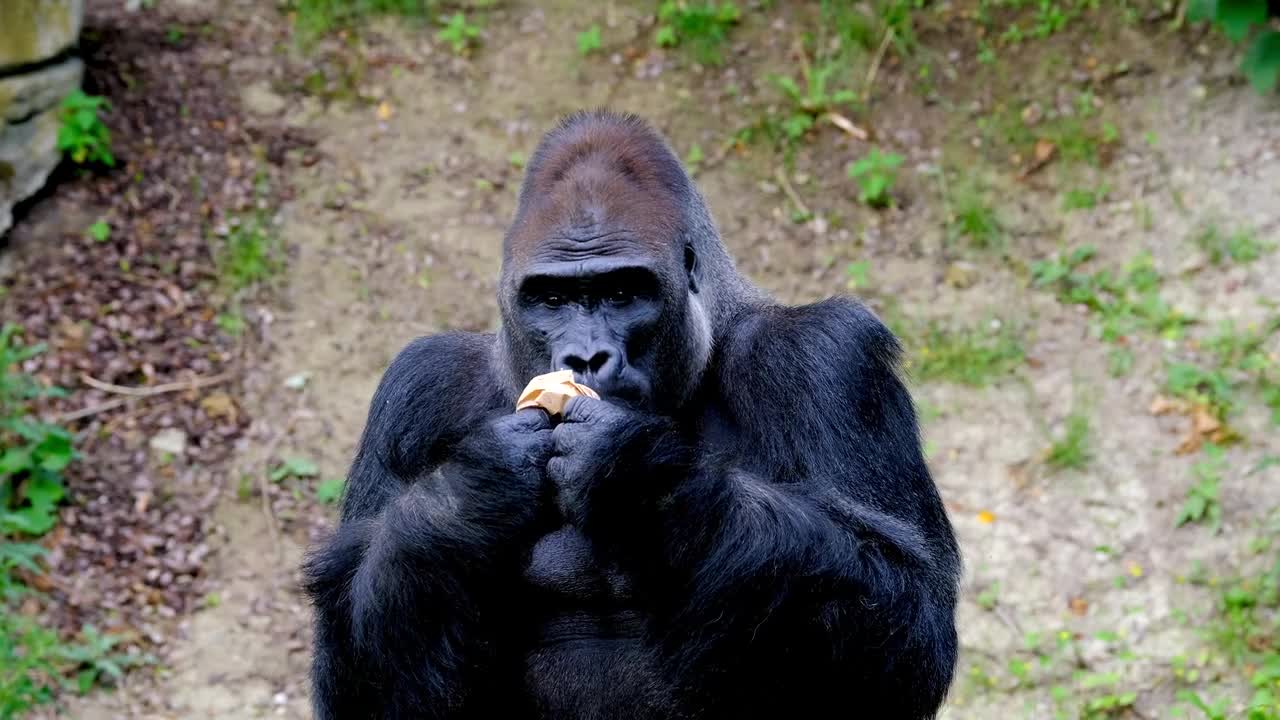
[
  {"x": 1124, "y": 303},
  {"x": 1244, "y": 641},
  {"x": 320, "y": 16},
  {"x": 967, "y": 356},
  {"x": 701, "y": 27},
  {"x": 1084, "y": 198},
  {"x": 973, "y": 217},
  {"x": 249, "y": 254},
  {"x": 1241, "y": 366},
  {"x": 1071, "y": 451},
  {"x": 1240, "y": 246}
]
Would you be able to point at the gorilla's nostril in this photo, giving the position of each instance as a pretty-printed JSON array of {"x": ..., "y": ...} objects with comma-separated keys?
[{"x": 601, "y": 361}]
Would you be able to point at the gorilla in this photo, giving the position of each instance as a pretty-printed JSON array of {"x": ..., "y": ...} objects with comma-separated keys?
[{"x": 741, "y": 526}]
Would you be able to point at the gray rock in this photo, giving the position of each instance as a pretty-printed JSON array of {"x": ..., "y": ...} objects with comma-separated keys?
[
  {"x": 259, "y": 99},
  {"x": 28, "y": 153},
  {"x": 22, "y": 96},
  {"x": 29, "y": 131},
  {"x": 170, "y": 440},
  {"x": 35, "y": 30}
]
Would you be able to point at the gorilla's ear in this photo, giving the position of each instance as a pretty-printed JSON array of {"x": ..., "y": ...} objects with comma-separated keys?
[{"x": 691, "y": 267}]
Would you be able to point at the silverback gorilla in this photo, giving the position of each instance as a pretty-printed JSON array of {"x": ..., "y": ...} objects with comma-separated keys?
[{"x": 743, "y": 526}]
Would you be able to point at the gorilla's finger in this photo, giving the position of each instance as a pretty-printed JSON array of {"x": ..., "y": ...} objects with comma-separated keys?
[
  {"x": 531, "y": 419},
  {"x": 581, "y": 409}
]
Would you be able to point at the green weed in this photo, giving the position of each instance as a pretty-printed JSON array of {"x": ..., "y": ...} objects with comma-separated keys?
[
  {"x": 33, "y": 454},
  {"x": 458, "y": 33},
  {"x": 703, "y": 27},
  {"x": 812, "y": 100},
  {"x": 590, "y": 41},
  {"x": 1242, "y": 20},
  {"x": 99, "y": 231},
  {"x": 1203, "y": 505},
  {"x": 82, "y": 135},
  {"x": 1071, "y": 450},
  {"x": 876, "y": 173}
]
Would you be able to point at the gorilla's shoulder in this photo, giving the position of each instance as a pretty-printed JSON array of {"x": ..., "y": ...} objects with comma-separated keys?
[
  {"x": 436, "y": 385},
  {"x": 822, "y": 356},
  {"x": 831, "y": 336},
  {"x": 446, "y": 369}
]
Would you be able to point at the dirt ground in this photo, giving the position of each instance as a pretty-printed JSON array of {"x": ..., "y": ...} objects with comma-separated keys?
[{"x": 394, "y": 231}]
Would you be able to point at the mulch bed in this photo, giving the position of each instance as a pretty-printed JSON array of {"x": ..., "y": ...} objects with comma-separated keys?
[{"x": 140, "y": 310}]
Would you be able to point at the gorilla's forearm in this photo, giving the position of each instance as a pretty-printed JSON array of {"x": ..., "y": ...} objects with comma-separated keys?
[
  {"x": 399, "y": 596},
  {"x": 839, "y": 588},
  {"x": 401, "y": 589}
]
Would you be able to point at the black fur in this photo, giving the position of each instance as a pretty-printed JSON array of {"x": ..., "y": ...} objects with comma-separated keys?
[{"x": 772, "y": 545}]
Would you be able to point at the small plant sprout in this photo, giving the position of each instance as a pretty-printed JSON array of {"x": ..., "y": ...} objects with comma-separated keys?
[
  {"x": 458, "y": 32},
  {"x": 876, "y": 173},
  {"x": 589, "y": 40}
]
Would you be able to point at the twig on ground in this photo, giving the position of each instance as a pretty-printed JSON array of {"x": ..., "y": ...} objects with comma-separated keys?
[
  {"x": 847, "y": 125},
  {"x": 85, "y": 412},
  {"x": 875, "y": 65},
  {"x": 193, "y": 384},
  {"x": 781, "y": 175}
]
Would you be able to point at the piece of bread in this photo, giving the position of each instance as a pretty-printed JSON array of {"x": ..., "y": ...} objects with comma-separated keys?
[{"x": 552, "y": 391}]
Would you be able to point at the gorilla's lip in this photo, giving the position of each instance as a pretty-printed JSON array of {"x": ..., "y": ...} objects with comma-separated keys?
[{"x": 628, "y": 391}]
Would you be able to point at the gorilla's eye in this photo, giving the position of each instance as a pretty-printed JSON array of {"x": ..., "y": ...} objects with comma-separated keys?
[
  {"x": 554, "y": 300},
  {"x": 619, "y": 296}
]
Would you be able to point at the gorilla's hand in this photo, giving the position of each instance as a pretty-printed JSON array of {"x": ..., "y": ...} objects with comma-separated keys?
[
  {"x": 590, "y": 447},
  {"x": 511, "y": 451}
]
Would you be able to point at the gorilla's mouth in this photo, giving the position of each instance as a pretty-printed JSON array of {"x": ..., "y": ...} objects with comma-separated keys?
[{"x": 630, "y": 389}]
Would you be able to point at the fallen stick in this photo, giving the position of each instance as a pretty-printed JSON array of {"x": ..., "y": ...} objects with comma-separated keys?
[
  {"x": 193, "y": 384},
  {"x": 791, "y": 192}
]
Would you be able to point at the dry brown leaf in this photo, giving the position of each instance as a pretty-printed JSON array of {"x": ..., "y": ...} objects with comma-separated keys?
[
  {"x": 1079, "y": 606},
  {"x": 1045, "y": 150},
  {"x": 1204, "y": 423},
  {"x": 1162, "y": 405},
  {"x": 219, "y": 405}
]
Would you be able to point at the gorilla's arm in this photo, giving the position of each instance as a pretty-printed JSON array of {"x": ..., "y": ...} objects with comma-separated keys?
[
  {"x": 812, "y": 559},
  {"x": 400, "y": 589}
]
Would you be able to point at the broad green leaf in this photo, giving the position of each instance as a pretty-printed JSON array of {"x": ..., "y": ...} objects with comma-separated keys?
[
  {"x": 14, "y": 461},
  {"x": 330, "y": 490},
  {"x": 1199, "y": 10},
  {"x": 43, "y": 492},
  {"x": 1237, "y": 16},
  {"x": 1262, "y": 62}
]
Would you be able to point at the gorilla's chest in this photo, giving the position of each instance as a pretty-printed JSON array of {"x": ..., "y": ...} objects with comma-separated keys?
[{"x": 566, "y": 573}]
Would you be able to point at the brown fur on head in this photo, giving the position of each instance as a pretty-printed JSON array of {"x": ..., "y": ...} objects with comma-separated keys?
[{"x": 595, "y": 166}]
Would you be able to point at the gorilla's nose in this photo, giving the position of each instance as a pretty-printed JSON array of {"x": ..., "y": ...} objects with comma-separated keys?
[{"x": 598, "y": 363}]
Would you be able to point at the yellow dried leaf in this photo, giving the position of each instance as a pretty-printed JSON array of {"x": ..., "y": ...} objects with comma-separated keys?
[
  {"x": 384, "y": 110},
  {"x": 986, "y": 517},
  {"x": 1044, "y": 151},
  {"x": 1135, "y": 570}
]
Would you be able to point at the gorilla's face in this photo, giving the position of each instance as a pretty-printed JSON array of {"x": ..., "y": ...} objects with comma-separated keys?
[{"x": 608, "y": 310}]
